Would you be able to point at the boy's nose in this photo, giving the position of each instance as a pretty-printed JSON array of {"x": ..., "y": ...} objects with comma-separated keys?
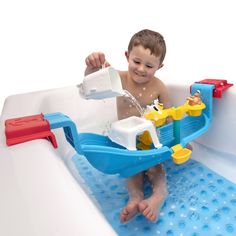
[{"x": 141, "y": 68}]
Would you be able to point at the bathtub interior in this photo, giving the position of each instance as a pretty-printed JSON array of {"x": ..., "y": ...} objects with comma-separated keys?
[{"x": 202, "y": 192}]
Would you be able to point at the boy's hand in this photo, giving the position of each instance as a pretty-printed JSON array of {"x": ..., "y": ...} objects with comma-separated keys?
[{"x": 95, "y": 61}]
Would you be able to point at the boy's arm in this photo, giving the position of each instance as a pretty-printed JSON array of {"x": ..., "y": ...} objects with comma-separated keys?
[{"x": 164, "y": 97}]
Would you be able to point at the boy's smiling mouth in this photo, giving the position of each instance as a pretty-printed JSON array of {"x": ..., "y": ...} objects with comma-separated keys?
[{"x": 139, "y": 74}]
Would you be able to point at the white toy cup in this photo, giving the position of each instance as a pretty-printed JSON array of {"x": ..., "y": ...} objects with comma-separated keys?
[{"x": 104, "y": 83}]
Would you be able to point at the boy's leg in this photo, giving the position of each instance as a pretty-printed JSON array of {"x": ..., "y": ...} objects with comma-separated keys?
[
  {"x": 135, "y": 190},
  {"x": 151, "y": 206}
]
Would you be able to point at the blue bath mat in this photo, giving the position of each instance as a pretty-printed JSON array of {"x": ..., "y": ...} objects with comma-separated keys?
[{"x": 200, "y": 202}]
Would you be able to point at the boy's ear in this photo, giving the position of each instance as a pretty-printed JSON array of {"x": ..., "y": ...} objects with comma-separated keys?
[
  {"x": 160, "y": 66},
  {"x": 127, "y": 55}
]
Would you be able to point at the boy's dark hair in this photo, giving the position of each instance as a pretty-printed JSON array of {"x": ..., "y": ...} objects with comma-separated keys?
[{"x": 151, "y": 40}]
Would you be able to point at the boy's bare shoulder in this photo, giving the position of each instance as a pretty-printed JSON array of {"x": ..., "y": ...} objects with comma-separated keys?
[
  {"x": 123, "y": 74},
  {"x": 159, "y": 83},
  {"x": 163, "y": 93}
]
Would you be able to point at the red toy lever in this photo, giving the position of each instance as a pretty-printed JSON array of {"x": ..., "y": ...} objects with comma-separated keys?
[
  {"x": 19, "y": 130},
  {"x": 220, "y": 86}
]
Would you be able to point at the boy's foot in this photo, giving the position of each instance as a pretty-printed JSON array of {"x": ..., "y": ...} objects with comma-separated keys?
[
  {"x": 151, "y": 207},
  {"x": 130, "y": 210}
]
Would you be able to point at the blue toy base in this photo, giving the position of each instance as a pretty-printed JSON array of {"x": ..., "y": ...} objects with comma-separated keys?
[{"x": 200, "y": 202}]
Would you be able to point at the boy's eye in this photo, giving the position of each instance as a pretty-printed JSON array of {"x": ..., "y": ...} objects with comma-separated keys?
[
  {"x": 136, "y": 62},
  {"x": 149, "y": 66}
]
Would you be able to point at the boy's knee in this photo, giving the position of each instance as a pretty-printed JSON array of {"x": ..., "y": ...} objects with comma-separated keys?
[
  {"x": 157, "y": 170},
  {"x": 152, "y": 170}
]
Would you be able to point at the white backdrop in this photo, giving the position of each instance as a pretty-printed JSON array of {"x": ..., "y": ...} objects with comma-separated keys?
[{"x": 43, "y": 44}]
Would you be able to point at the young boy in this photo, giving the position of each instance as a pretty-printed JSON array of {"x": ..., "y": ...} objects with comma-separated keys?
[{"x": 145, "y": 55}]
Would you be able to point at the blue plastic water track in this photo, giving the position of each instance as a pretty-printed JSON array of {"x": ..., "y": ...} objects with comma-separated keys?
[{"x": 111, "y": 158}]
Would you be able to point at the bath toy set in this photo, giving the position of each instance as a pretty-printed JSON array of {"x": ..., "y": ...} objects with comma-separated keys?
[{"x": 117, "y": 152}]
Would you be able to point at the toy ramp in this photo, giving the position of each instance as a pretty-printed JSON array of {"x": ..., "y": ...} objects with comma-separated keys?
[{"x": 111, "y": 158}]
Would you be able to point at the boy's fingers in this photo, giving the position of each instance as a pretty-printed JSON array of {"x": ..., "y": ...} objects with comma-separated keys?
[
  {"x": 107, "y": 64},
  {"x": 101, "y": 57},
  {"x": 96, "y": 60},
  {"x": 93, "y": 60},
  {"x": 88, "y": 63}
]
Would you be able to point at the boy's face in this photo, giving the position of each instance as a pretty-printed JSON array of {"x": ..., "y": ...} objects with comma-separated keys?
[{"x": 142, "y": 64}]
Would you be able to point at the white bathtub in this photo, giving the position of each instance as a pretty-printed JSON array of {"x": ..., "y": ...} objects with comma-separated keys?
[{"x": 41, "y": 193}]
